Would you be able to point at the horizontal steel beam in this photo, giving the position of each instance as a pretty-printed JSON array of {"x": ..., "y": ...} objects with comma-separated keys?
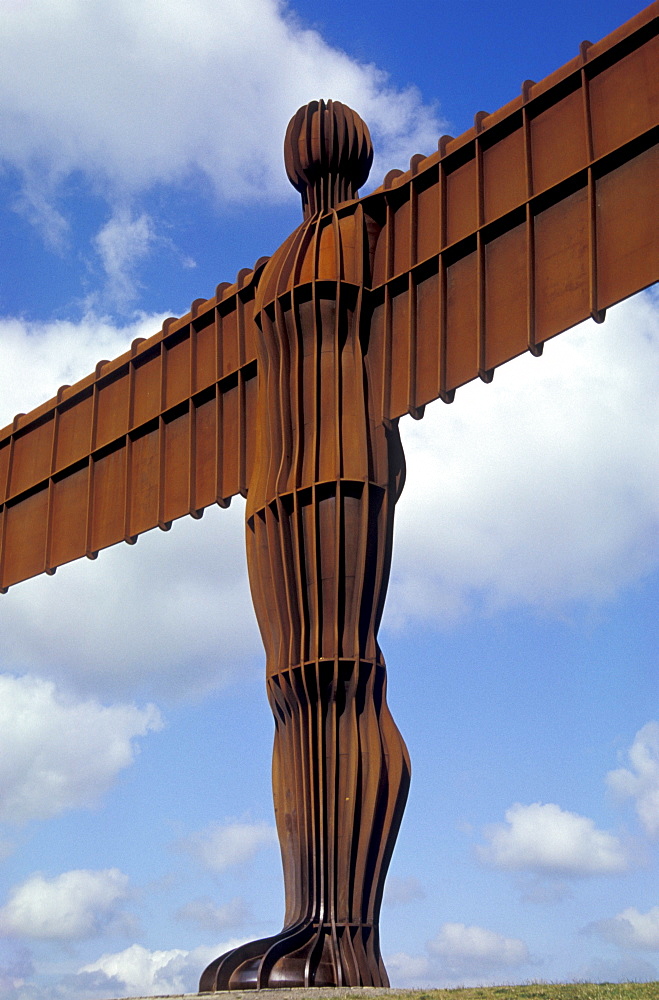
[{"x": 542, "y": 214}]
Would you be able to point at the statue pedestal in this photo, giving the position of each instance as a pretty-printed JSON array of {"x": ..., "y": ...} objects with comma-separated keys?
[{"x": 300, "y": 993}]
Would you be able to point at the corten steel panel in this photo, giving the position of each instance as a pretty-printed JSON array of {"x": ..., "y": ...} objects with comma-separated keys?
[
  {"x": 527, "y": 224},
  {"x": 121, "y": 451},
  {"x": 624, "y": 84},
  {"x": 626, "y": 225},
  {"x": 504, "y": 170},
  {"x": 506, "y": 291},
  {"x": 108, "y": 492},
  {"x": 560, "y": 243},
  {"x": 73, "y": 437},
  {"x": 178, "y": 385},
  {"x": 144, "y": 492},
  {"x": 535, "y": 219},
  {"x": 111, "y": 409},
  {"x": 24, "y": 531},
  {"x": 68, "y": 534},
  {"x": 557, "y": 136},
  {"x": 32, "y": 454}
]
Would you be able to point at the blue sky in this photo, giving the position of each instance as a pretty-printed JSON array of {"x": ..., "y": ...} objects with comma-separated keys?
[{"x": 140, "y": 165}]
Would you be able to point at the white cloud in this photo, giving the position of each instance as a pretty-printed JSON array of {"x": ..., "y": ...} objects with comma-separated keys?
[
  {"x": 75, "y": 905},
  {"x": 57, "y": 752},
  {"x": 207, "y": 915},
  {"x": 121, "y": 243},
  {"x": 133, "y": 95},
  {"x": 35, "y": 202},
  {"x": 541, "y": 488},
  {"x": 458, "y": 953},
  {"x": 399, "y": 891},
  {"x": 173, "y": 600},
  {"x": 641, "y": 782},
  {"x": 547, "y": 839},
  {"x": 140, "y": 972},
  {"x": 221, "y": 846},
  {"x": 632, "y": 929},
  {"x": 404, "y": 968},
  {"x": 470, "y": 948},
  {"x": 37, "y": 358},
  {"x": 195, "y": 613},
  {"x": 136, "y": 93}
]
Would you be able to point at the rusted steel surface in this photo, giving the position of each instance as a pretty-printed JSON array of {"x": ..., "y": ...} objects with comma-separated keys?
[
  {"x": 162, "y": 431},
  {"x": 287, "y": 387},
  {"x": 538, "y": 217},
  {"x": 542, "y": 215},
  {"x": 320, "y": 514}
]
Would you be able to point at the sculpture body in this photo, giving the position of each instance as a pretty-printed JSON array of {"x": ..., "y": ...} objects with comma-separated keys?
[
  {"x": 286, "y": 386},
  {"x": 320, "y": 513}
]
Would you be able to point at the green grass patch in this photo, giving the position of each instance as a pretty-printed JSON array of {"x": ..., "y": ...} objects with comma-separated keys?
[{"x": 539, "y": 991}]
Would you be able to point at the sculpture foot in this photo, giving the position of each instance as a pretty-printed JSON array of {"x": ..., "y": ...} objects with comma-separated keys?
[{"x": 307, "y": 955}]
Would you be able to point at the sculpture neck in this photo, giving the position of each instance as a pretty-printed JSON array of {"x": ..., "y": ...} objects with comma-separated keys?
[{"x": 326, "y": 193}]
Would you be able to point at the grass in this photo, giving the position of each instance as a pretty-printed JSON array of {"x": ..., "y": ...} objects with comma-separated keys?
[{"x": 542, "y": 991}]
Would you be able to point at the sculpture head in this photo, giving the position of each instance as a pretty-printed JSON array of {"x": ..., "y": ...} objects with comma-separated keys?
[{"x": 328, "y": 154}]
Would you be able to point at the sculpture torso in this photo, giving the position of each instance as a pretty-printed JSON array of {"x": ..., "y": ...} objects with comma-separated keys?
[
  {"x": 315, "y": 420},
  {"x": 326, "y": 468}
]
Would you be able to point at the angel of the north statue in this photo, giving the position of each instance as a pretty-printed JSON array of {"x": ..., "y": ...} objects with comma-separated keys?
[{"x": 287, "y": 386}]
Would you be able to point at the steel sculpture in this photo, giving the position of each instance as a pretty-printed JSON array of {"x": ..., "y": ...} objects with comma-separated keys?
[{"x": 287, "y": 387}]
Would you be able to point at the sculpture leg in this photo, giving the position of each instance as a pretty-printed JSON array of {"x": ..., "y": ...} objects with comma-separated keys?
[{"x": 319, "y": 564}]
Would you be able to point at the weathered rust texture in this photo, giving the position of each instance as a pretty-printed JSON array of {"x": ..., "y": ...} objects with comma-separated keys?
[
  {"x": 320, "y": 513},
  {"x": 287, "y": 387},
  {"x": 162, "y": 431},
  {"x": 538, "y": 217}
]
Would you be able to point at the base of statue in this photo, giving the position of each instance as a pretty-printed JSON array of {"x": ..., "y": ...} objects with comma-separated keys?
[
  {"x": 311, "y": 955},
  {"x": 311, "y": 993}
]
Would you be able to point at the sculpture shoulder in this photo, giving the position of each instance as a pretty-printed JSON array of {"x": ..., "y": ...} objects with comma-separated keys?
[
  {"x": 334, "y": 246},
  {"x": 279, "y": 270}
]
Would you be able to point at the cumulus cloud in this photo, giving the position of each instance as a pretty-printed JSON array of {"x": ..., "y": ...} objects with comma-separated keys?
[
  {"x": 72, "y": 906},
  {"x": 221, "y": 846},
  {"x": 138, "y": 93},
  {"x": 459, "y": 953},
  {"x": 195, "y": 613},
  {"x": 58, "y": 752},
  {"x": 632, "y": 929},
  {"x": 131, "y": 96},
  {"x": 171, "y": 601},
  {"x": 641, "y": 781},
  {"x": 140, "y": 972},
  {"x": 466, "y": 948},
  {"x": 37, "y": 358},
  {"x": 541, "y": 487},
  {"x": 547, "y": 839},
  {"x": 207, "y": 915}
]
